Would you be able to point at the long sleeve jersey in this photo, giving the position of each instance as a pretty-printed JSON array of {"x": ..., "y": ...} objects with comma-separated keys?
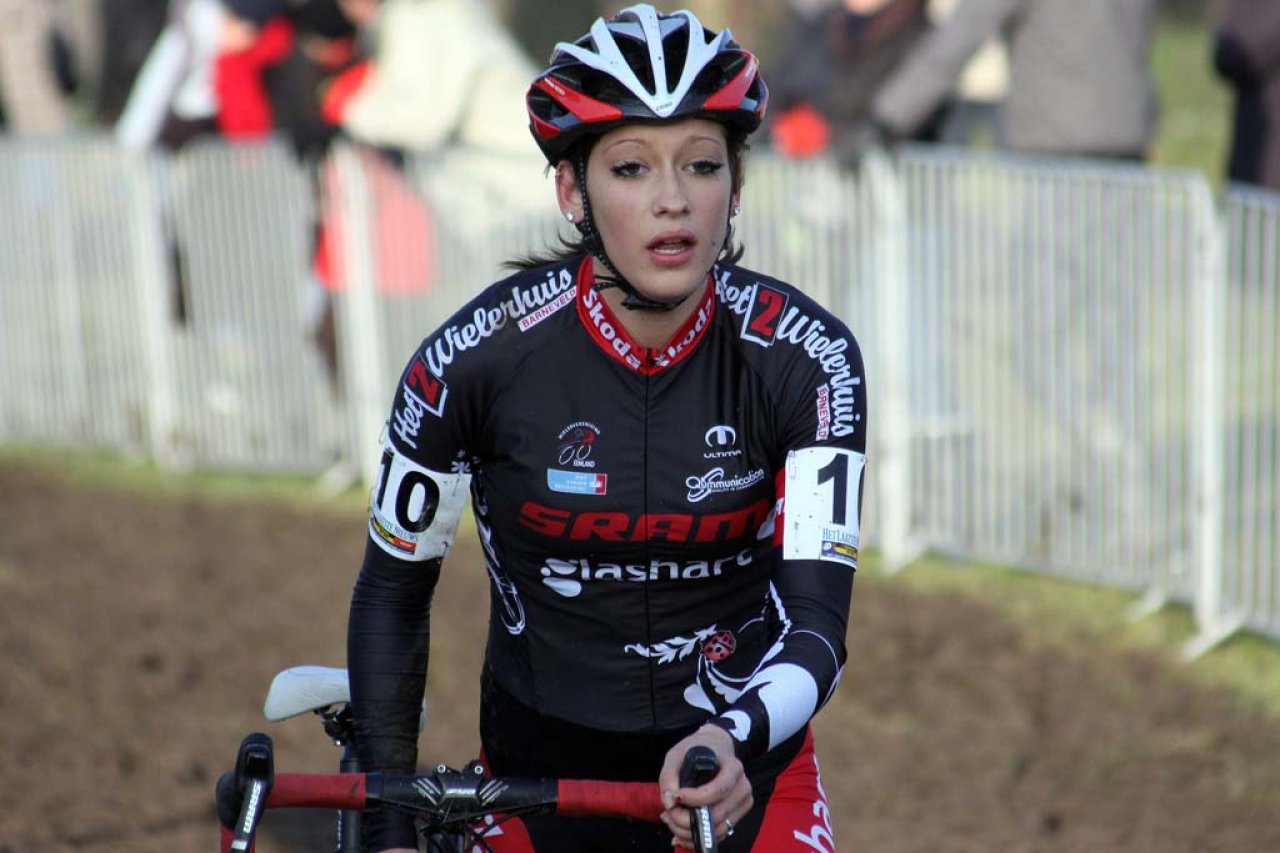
[{"x": 671, "y": 534}]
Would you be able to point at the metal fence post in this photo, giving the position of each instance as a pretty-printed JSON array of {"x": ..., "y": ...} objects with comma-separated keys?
[
  {"x": 1209, "y": 398},
  {"x": 359, "y": 347},
  {"x": 892, "y": 426}
]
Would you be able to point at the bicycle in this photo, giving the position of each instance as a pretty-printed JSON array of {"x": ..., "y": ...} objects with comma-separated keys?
[{"x": 455, "y": 808}]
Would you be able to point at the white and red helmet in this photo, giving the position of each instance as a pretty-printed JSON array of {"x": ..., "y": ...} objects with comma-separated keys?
[{"x": 642, "y": 65}]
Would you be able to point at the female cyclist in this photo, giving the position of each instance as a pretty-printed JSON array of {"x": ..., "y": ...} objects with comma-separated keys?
[{"x": 664, "y": 456}]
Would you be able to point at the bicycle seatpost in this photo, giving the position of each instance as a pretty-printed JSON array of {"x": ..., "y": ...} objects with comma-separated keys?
[{"x": 700, "y": 767}]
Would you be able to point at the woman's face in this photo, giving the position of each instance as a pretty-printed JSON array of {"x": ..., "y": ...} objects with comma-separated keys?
[{"x": 660, "y": 199}]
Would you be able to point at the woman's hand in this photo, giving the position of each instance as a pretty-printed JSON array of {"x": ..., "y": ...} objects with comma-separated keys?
[{"x": 728, "y": 794}]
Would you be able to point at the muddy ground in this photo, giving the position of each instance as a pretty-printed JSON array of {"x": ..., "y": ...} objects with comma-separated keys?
[{"x": 138, "y": 636}]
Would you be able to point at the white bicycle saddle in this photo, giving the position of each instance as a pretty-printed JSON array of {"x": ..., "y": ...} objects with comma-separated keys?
[{"x": 300, "y": 689}]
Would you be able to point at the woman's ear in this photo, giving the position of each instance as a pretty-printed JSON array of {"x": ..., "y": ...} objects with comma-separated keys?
[{"x": 567, "y": 192}]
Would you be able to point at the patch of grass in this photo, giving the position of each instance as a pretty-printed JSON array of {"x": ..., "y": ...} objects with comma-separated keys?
[
  {"x": 138, "y": 476},
  {"x": 1063, "y": 613},
  {"x": 1195, "y": 107}
]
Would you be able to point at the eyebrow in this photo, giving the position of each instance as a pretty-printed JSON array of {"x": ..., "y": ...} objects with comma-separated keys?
[{"x": 702, "y": 137}]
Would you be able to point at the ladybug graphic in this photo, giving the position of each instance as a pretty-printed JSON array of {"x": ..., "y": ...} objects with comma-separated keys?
[{"x": 719, "y": 646}]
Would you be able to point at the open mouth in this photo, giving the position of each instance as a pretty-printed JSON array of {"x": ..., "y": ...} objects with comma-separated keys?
[{"x": 672, "y": 245}]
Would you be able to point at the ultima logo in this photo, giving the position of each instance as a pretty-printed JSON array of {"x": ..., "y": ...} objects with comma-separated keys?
[{"x": 625, "y": 527}]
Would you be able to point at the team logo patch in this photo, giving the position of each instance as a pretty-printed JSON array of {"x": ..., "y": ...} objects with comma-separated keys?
[
  {"x": 530, "y": 320},
  {"x": 577, "y": 482},
  {"x": 422, "y": 393},
  {"x": 400, "y": 545},
  {"x": 839, "y": 551},
  {"x": 763, "y": 314},
  {"x": 824, "y": 412},
  {"x": 716, "y": 481},
  {"x": 722, "y": 441},
  {"x": 577, "y": 441}
]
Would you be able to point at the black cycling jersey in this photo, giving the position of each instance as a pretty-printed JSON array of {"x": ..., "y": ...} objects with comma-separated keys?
[{"x": 671, "y": 534}]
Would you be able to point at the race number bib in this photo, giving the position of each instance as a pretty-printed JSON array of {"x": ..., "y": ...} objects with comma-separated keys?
[
  {"x": 820, "y": 518},
  {"x": 414, "y": 512}
]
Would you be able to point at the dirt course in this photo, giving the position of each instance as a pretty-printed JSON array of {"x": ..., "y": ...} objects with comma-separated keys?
[{"x": 139, "y": 634}]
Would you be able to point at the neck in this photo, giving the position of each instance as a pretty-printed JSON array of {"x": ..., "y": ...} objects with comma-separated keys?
[{"x": 650, "y": 329}]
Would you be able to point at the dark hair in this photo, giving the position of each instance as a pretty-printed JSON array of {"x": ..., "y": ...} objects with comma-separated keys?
[{"x": 731, "y": 252}]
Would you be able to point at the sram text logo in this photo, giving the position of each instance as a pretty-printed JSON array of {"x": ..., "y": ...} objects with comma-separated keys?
[
  {"x": 568, "y": 576},
  {"x": 665, "y": 526}
]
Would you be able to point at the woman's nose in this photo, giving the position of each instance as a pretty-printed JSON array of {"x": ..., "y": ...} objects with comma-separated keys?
[{"x": 672, "y": 197}]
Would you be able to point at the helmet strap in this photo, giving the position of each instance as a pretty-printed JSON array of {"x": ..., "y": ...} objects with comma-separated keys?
[{"x": 632, "y": 299}]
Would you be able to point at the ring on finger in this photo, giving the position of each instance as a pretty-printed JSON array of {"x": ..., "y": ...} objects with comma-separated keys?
[{"x": 728, "y": 827}]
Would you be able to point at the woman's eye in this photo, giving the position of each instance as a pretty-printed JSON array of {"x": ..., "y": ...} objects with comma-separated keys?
[
  {"x": 706, "y": 167},
  {"x": 626, "y": 170}
]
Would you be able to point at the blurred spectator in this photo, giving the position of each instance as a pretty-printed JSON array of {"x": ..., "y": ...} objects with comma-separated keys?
[
  {"x": 33, "y": 95},
  {"x": 972, "y": 114},
  {"x": 172, "y": 100},
  {"x": 444, "y": 80},
  {"x": 448, "y": 79},
  {"x": 443, "y": 72},
  {"x": 1246, "y": 54},
  {"x": 1079, "y": 81},
  {"x": 838, "y": 56},
  {"x": 276, "y": 60},
  {"x": 129, "y": 29}
]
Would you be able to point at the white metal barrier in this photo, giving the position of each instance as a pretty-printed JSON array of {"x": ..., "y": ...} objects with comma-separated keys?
[
  {"x": 79, "y": 254},
  {"x": 1072, "y": 366},
  {"x": 1056, "y": 336},
  {"x": 1250, "y": 580},
  {"x": 247, "y": 387}
]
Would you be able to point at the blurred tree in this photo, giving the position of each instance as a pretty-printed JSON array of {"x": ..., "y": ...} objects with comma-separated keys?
[{"x": 538, "y": 24}]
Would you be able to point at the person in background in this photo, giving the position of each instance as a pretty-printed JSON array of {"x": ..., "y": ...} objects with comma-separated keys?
[
  {"x": 278, "y": 63},
  {"x": 128, "y": 31},
  {"x": 838, "y": 56},
  {"x": 972, "y": 114},
  {"x": 663, "y": 453},
  {"x": 1246, "y": 54},
  {"x": 33, "y": 99},
  {"x": 276, "y": 59},
  {"x": 474, "y": 66},
  {"x": 469, "y": 121},
  {"x": 172, "y": 100},
  {"x": 1079, "y": 78}
]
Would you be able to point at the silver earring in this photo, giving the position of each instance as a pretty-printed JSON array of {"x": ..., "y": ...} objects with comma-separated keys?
[
  {"x": 568, "y": 214},
  {"x": 737, "y": 208}
]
